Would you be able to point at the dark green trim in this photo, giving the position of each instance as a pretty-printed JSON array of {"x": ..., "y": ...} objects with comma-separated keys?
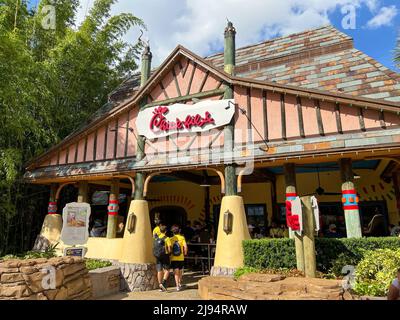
[
  {"x": 176, "y": 82},
  {"x": 185, "y": 98},
  {"x": 191, "y": 78}
]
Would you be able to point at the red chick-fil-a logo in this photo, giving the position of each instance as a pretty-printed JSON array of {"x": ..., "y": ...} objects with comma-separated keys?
[{"x": 160, "y": 121}]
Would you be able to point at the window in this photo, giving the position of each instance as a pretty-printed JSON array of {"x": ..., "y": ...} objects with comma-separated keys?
[{"x": 256, "y": 215}]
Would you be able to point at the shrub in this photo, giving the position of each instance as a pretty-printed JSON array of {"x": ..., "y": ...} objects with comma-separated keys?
[
  {"x": 375, "y": 272},
  {"x": 92, "y": 264},
  {"x": 48, "y": 253},
  {"x": 244, "y": 270},
  {"x": 332, "y": 254}
]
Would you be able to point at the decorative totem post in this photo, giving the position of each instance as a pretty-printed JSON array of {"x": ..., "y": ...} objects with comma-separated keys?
[
  {"x": 350, "y": 200},
  {"x": 138, "y": 242},
  {"x": 113, "y": 209},
  {"x": 289, "y": 170},
  {"x": 229, "y": 252}
]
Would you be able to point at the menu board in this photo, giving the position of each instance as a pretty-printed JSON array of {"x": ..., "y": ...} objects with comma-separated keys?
[{"x": 75, "y": 223}]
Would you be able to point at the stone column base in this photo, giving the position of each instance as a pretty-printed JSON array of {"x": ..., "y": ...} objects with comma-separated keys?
[
  {"x": 137, "y": 277},
  {"x": 222, "y": 271}
]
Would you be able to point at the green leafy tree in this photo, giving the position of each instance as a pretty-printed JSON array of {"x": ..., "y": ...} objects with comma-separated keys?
[{"x": 51, "y": 81}]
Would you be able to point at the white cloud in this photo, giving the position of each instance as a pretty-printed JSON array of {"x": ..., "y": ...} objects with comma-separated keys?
[
  {"x": 384, "y": 17},
  {"x": 199, "y": 24}
]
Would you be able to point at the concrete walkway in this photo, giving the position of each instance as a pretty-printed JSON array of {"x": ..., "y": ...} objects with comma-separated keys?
[{"x": 190, "y": 292}]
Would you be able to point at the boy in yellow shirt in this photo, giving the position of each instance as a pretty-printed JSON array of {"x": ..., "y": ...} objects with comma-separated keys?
[
  {"x": 161, "y": 253},
  {"x": 178, "y": 248}
]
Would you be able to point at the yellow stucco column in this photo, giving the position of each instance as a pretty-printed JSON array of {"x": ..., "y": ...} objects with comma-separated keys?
[
  {"x": 52, "y": 224},
  {"x": 229, "y": 251},
  {"x": 137, "y": 245}
]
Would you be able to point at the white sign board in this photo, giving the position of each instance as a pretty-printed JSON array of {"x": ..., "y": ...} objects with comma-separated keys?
[
  {"x": 75, "y": 223},
  {"x": 162, "y": 121}
]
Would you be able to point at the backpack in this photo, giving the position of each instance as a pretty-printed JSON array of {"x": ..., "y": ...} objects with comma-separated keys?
[
  {"x": 176, "y": 249},
  {"x": 159, "y": 247}
]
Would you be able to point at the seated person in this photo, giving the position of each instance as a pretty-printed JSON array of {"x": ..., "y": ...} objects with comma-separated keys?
[
  {"x": 332, "y": 232},
  {"x": 275, "y": 231},
  {"x": 284, "y": 231},
  {"x": 98, "y": 230}
]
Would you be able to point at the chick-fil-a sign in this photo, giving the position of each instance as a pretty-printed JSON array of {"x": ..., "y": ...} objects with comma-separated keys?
[{"x": 161, "y": 121}]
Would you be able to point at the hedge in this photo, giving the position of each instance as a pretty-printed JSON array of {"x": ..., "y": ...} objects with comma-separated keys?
[{"x": 332, "y": 254}]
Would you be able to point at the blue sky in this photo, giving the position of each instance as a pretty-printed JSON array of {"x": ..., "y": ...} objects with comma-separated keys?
[{"x": 199, "y": 24}]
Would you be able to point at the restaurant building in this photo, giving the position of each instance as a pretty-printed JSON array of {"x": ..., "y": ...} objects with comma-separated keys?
[{"x": 226, "y": 139}]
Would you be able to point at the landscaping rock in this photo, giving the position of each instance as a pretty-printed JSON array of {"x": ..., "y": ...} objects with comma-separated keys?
[
  {"x": 28, "y": 280},
  {"x": 271, "y": 287}
]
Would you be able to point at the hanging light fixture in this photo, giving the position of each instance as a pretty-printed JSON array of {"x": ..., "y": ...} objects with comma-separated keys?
[
  {"x": 205, "y": 182},
  {"x": 228, "y": 222}
]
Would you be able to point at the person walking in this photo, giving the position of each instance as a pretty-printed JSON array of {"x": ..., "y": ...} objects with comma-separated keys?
[
  {"x": 161, "y": 251},
  {"x": 178, "y": 248}
]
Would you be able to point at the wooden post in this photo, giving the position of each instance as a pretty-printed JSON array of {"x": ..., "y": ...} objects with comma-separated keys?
[
  {"x": 310, "y": 264},
  {"x": 289, "y": 170},
  {"x": 350, "y": 200},
  {"x": 52, "y": 208},
  {"x": 229, "y": 67},
  {"x": 83, "y": 188},
  {"x": 113, "y": 209},
  {"x": 140, "y": 154}
]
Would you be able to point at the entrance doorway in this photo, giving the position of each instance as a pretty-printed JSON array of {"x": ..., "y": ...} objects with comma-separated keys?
[{"x": 169, "y": 215}]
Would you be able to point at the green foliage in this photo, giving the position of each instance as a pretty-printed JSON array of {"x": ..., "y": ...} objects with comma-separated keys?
[
  {"x": 50, "y": 252},
  {"x": 375, "y": 272},
  {"x": 51, "y": 81},
  {"x": 92, "y": 264},
  {"x": 244, "y": 270},
  {"x": 332, "y": 254}
]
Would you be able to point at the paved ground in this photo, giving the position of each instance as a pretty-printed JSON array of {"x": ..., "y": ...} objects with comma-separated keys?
[{"x": 190, "y": 279}]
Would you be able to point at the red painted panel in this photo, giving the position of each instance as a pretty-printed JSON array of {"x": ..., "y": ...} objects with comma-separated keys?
[
  {"x": 122, "y": 122},
  {"x": 257, "y": 114},
  {"x": 391, "y": 119},
  {"x": 63, "y": 154},
  {"x": 328, "y": 117},
  {"x": 71, "y": 153},
  {"x": 100, "y": 143},
  {"x": 89, "y": 148},
  {"x": 309, "y": 117},
  {"x": 54, "y": 159},
  {"x": 132, "y": 142},
  {"x": 110, "y": 140},
  {"x": 349, "y": 117},
  {"x": 274, "y": 115},
  {"x": 81, "y": 150},
  {"x": 212, "y": 83},
  {"x": 241, "y": 122},
  {"x": 157, "y": 94},
  {"x": 291, "y": 117},
  {"x": 184, "y": 80},
  {"x": 197, "y": 80},
  {"x": 169, "y": 85},
  {"x": 371, "y": 118}
]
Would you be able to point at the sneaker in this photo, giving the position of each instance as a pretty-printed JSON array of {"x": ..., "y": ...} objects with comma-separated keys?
[
  {"x": 179, "y": 288},
  {"x": 162, "y": 287}
]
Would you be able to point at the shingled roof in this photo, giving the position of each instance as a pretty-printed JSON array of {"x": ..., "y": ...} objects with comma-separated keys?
[{"x": 322, "y": 58}]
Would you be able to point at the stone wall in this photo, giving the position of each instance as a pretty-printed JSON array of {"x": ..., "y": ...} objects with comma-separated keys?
[
  {"x": 105, "y": 281},
  {"x": 137, "y": 277},
  {"x": 67, "y": 279}
]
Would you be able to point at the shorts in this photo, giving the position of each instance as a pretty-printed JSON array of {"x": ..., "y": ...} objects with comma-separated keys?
[
  {"x": 177, "y": 265},
  {"x": 162, "y": 263}
]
